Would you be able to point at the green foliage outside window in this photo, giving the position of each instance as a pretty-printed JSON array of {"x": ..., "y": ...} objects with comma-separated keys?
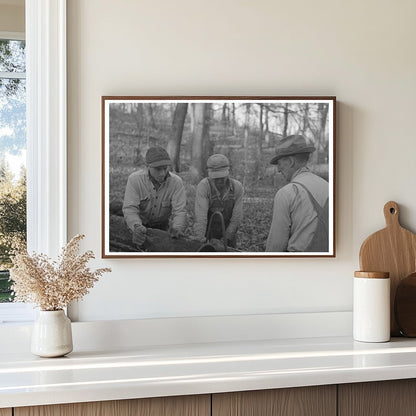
[
  {"x": 12, "y": 147},
  {"x": 12, "y": 224}
]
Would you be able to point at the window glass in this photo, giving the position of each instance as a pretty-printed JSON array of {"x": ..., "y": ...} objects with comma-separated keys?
[
  {"x": 12, "y": 156},
  {"x": 12, "y": 56}
]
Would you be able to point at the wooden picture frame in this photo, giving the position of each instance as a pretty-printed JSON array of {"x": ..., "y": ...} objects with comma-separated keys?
[{"x": 248, "y": 133}]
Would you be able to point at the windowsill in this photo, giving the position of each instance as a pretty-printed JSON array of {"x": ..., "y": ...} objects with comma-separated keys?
[
  {"x": 151, "y": 371},
  {"x": 16, "y": 313}
]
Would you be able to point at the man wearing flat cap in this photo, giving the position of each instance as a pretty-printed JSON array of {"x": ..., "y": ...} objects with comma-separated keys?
[
  {"x": 218, "y": 193},
  {"x": 154, "y": 198},
  {"x": 300, "y": 210}
]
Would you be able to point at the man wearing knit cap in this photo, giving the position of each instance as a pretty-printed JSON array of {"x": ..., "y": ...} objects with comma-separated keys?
[
  {"x": 155, "y": 197},
  {"x": 300, "y": 210},
  {"x": 218, "y": 193}
]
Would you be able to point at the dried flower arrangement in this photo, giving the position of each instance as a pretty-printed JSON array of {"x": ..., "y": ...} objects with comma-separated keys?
[{"x": 52, "y": 285}]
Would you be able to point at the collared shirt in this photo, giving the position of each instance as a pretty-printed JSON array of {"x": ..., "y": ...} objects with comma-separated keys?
[
  {"x": 202, "y": 203},
  {"x": 144, "y": 204},
  {"x": 294, "y": 217}
]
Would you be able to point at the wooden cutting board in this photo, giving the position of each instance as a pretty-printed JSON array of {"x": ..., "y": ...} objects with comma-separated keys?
[{"x": 393, "y": 250}]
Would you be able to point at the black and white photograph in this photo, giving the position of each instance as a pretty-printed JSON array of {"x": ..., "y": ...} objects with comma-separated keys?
[{"x": 218, "y": 176}]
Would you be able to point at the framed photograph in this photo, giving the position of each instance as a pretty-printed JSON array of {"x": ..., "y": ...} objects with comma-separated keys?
[{"x": 218, "y": 177}]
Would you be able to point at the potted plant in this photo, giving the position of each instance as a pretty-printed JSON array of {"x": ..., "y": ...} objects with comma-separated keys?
[{"x": 52, "y": 286}]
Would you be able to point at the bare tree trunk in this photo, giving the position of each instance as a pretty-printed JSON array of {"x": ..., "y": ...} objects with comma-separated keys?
[
  {"x": 192, "y": 114},
  {"x": 224, "y": 113},
  {"x": 142, "y": 130},
  {"x": 266, "y": 126},
  {"x": 234, "y": 121},
  {"x": 174, "y": 144},
  {"x": 225, "y": 119},
  {"x": 305, "y": 119},
  {"x": 259, "y": 145},
  {"x": 148, "y": 112},
  {"x": 207, "y": 147},
  {"x": 323, "y": 115},
  {"x": 246, "y": 137},
  {"x": 261, "y": 123},
  {"x": 285, "y": 119},
  {"x": 138, "y": 111},
  {"x": 200, "y": 143}
]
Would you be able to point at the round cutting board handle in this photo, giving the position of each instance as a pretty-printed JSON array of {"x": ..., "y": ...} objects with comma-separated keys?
[{"x": 391, "y": 214}]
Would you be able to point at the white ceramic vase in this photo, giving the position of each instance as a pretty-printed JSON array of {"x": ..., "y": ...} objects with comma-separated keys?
[{"x": 52, "y": 334}]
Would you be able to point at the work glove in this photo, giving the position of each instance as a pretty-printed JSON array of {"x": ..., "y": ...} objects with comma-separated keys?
[{"x": 139, "y": 234}]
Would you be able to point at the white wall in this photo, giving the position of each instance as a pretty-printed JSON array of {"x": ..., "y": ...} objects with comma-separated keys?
[{"x": 363, "y": 52}]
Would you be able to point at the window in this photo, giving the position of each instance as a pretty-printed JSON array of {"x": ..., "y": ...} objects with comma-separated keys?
[
  {"x": 12, "y": 153},
  {"x": 46, "y": 135}
]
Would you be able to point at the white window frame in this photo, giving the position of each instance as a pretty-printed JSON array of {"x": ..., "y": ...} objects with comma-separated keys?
[
  {"x": 46, "y": 134},
  {"x": 46, "y": 125},
  {"x": 12, "y": 35},
  {"x": 9, "y": 312}
]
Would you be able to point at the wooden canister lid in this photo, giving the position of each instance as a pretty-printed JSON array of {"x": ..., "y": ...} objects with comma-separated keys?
[{"x": 372, "y": 275}]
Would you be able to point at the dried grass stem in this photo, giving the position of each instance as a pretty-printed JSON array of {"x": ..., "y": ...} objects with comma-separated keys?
[{"x": 53, "y": 285}]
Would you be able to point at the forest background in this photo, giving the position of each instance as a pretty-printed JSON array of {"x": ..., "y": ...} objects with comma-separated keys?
[{"x": 246, "y": 132}]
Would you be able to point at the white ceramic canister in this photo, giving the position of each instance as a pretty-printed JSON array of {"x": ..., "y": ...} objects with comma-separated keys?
[{"x": 371, "y": 308}]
